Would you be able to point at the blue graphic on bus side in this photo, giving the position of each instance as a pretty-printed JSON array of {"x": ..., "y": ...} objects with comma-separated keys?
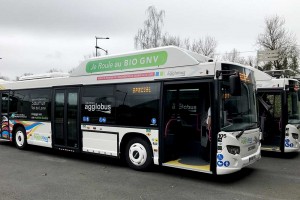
[
  {"x": 102, "y": 119},
  {"x": 287, "y": 143},
  {"x": 220, "y": 156},
  {"x": 153, "y": 121},
  {"x": 220, "y": 163},
  {"x": 226, "y": 163}
]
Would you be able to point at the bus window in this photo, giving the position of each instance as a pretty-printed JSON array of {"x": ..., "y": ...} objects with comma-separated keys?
[
  {"x": 4, "y": 103},
  {"x": 31, "y": 104},
  {"x": 137, "y": 104},
  {"x": 98, "y": 105}
]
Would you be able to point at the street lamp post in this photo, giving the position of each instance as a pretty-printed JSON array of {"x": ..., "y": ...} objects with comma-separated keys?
[{"x": 98, "y": 38}]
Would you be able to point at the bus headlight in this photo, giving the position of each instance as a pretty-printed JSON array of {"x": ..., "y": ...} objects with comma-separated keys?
[
  {"x": 295, "y": 136},
  {"x": 233, "y": 149},
  {"x": 287, "y": 132}
]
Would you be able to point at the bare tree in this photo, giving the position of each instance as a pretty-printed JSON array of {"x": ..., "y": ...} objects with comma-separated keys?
[
  {"x": 205, "y": 46},
  {"x": 277, "y": 37},
  {"x": 294, "y": 59},
  {"x": 150, "y": 35},
  {"x": 251, "y": 61},
  {"x": 25, "y": 74},
  {"x": 232, "y": 56},
  {"x": 72, "y": 70},
  {"x": 168, "y": 39},
  {"x": 187, "y": 44},
  {"x": 54, "y": 70},
  {"x": 92, "y": 55},
  {"x": 294, "y": 64}
]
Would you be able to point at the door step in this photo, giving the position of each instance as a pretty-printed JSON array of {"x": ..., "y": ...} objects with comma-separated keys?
[{"x": 179, "y": 163}]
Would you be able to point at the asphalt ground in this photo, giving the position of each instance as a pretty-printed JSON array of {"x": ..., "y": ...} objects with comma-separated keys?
[{"x": 41, "y": 173}]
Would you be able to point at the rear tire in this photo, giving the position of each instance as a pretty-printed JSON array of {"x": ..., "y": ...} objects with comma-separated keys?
[
  {"x": 138, "y": 154},
  {"x": 20, "y": 138}
]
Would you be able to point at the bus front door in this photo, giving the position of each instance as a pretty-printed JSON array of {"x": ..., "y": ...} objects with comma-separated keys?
[
  {"x": 270, "y": 112},
  {"x": 65, "y": 123},
  {"x": 185, "y": 108},
  {"x": 4, "y": 122}
]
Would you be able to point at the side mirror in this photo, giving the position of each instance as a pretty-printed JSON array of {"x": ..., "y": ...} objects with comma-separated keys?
[{"x": 235, "y": 85}]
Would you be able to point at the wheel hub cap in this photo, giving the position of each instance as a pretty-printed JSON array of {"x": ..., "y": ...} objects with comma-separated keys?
[
  {"x": 20, "y": 138},
  {"x": 137, "y": 154}
]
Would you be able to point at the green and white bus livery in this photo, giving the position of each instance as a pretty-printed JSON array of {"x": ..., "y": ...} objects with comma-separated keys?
[{"x": 148, "y": 107}]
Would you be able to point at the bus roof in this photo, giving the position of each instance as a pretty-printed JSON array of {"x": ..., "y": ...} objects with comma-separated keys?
[
  {"x": 264, "y": 80},
  {"x": 163, "y": 63},
  {"x": 283, "y": 73}
]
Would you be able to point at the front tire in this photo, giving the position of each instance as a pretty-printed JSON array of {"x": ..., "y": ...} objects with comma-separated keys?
[
  {"x": 20, "y": 138},
  {"x": 138, "y": 154}
]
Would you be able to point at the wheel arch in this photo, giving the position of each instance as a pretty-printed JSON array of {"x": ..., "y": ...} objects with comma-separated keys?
[
  {"x": 127, "y": 137},
  {"x": 15, "y": 128},
  {"x": 21, "y": 141}
]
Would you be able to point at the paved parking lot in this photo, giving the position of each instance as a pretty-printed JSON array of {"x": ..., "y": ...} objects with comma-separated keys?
[{"x": 40, "y": 173}]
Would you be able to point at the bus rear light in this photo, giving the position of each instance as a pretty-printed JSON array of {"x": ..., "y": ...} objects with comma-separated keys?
[
  {"x": 295, "y": 136},
  {"x": 233, "y": 149}
]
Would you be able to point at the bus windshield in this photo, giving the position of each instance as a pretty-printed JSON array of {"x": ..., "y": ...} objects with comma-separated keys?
[
  {"x": 293, "y": 108},
  {"x": 239, "y": 112}
]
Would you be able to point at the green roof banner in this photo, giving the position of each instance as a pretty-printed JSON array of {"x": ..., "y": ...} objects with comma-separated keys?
[{"x": 128, "y": 62}]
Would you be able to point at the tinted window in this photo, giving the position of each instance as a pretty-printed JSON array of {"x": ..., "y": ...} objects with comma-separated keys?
[
  {"x": 31, "y": 104},
  {"x": 4, "y": 103},
  {"x": 137, "y": 104},
  {"x": 127, "y": 104},
  {"x": 98, "y": 105}
]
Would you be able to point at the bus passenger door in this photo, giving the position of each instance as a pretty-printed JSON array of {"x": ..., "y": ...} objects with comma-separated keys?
[
  {"x": 4, "y": 121},
  {"x": 65, "y": 122},
  {"x": 185, "y": 113},
  {"x": 270, "y": 112}
]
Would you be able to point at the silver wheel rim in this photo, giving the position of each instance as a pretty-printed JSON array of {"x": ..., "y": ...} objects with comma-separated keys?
[
  {"x": 20, "y": 138},
  {"x": 137, "y": 154}
]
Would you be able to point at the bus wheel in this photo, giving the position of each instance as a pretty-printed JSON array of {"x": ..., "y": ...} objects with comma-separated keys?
[
  {"x": 138, "y": 154},
  {"x": 20, "y": 138}
]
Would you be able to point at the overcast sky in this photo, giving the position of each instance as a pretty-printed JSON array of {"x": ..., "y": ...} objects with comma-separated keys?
[{"x": 38, "y": 35}]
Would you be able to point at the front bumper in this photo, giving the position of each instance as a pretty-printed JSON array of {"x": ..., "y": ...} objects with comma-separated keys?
[{"x": 240, "y": 162}]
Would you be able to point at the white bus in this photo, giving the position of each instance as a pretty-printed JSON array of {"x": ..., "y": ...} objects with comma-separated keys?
[
  {"x": 279, "y": 111},
  {"x": 149, "y": 107}
]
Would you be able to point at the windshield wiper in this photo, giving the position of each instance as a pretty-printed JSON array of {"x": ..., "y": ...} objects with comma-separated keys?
[{"x": 242, "y": 132}]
